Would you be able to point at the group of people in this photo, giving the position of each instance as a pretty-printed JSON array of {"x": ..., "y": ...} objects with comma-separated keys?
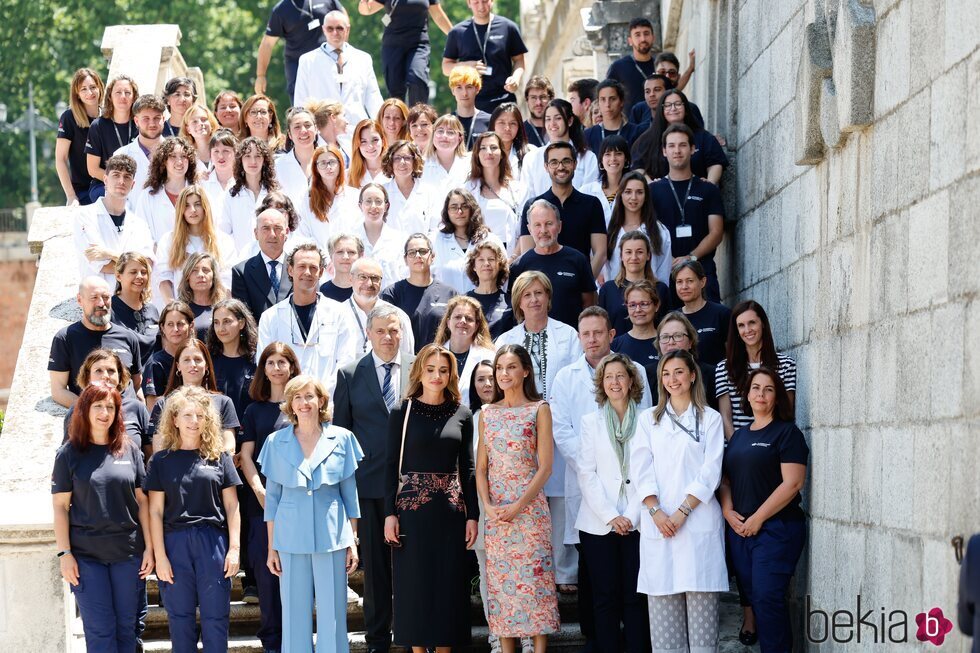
[{"x": 373, "y": 336}]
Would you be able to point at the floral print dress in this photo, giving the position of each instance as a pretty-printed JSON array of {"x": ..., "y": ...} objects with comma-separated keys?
[{"x": 520, "y": 571}]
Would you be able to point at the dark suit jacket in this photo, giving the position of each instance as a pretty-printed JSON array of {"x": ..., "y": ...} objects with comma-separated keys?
[
  {"x": 359, "y": 407},
  {"x": 967, "y": 611},
  {"x": 250, "y": 284}
]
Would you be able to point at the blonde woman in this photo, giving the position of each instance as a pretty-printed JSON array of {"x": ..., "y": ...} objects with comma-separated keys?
[
  {"x": 194, "y": 231},
  {"x": 463, "y": 330},
  {"x": 196, "y": 129},
  {"x": 194, "y": 520},
  {"x": 69, "y": 150},
  {"x": 201, "y": 287},
  {"x": 131, "y": 306},
  {"x": 311, "y": 511},
  {"x": 447, "y": 164}
]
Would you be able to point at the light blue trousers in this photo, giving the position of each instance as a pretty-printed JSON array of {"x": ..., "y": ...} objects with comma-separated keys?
[{"x": 319, "y": 575}]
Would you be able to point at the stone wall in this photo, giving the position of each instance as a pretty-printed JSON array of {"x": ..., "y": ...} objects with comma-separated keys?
[{"x": 18, "y": 270}]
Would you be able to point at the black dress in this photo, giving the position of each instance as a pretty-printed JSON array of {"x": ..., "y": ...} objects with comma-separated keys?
[{"x": 430, "y": 577}]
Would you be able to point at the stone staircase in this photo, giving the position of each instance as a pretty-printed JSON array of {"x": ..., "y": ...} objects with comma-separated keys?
[{"x": 244, "y": 623}]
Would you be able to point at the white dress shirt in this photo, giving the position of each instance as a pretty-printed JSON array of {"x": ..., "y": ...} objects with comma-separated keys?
[
  {"x": 396, "y": 371},
  {"x": 419, "y": 212},
  {"x": 291, "y": 177},
  {"x": 660, "y": 264},
  {"x": 388, "y": 251},
  {"x": 436, "y": 176},
  {"x": 407, "y": 346}
]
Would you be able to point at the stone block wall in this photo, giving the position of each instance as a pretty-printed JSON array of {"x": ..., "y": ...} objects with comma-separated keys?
[
  {"x": 868, "y": 263},
  {"x": 18, "y": 279}
]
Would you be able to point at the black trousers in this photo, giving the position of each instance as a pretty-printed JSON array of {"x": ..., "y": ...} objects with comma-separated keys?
[
  {"x": 613, "y": 563},
  {"x": 586, "y": 613},
  {"x": 406, "y": 69},
  {"x": 267, "y": 583},
  {"x": 376, "y": 560}
]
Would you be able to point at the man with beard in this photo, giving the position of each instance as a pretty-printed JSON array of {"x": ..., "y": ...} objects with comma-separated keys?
[
  {"x": 148, "y": 116},
  {"x": 632, "y": 69},
  {"x": 538, "y": 93},
  {"x": 73, "y": 343},
  {"x": 366, "y": 278}
]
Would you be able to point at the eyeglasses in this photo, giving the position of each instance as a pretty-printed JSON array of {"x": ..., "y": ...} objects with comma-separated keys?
[
  {"x": 258, "y": 113},
  {"x": 373, "y": 279},
  {"x": 635, "y": 305},
  {"x": 672, "y": 337},
  {"x": 402, "y": 158},
  {"x": 457, "y": 208},
  {"x": 327, "y": 164},
  {"x": 673, "y": 105},
  {"x": 420, "y": 252},
  {"x": 560, "y": 163}
]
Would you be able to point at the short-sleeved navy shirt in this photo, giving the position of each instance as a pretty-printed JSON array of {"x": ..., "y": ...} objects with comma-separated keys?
[
  {"x": 72, "y": 344},
  {"x": 203, "y": 316},
  {"x": 106, "y": 136},
  {"x": 711, "y": 323},
  {"x": 192, "y": 487},
  {"x": 425, "y": 306},
  {"x": 497, "y": 310},
  {"x": 570, "y": 274},
  {"x": 144, "y": 323},
  {"x": 751, "y": 463},
  {"x": 409, "y": 22},
  {"x": 581, "y": 216},
  {"x": 643, "y": 352},
  {"x": 136, "y": 419},
  {"x": 233, "y": 376},
  {"x": 291, "y": 21},
  {"x": 611, "y": 299},
  {"x": 156, "y": 373},
  {"x": 704, "y": 200},
  {"x": 103, "y": 519},
  {"x": 335, "y": 292},
  {"x": 76, "y": 136},
  {"x": 596, "y": 134},
  {"x": 222, "y": 404},
  {"x": 503, "y": 43},
  {"x": 631, "y": 73},
  {"x": 261, "y": 419}
]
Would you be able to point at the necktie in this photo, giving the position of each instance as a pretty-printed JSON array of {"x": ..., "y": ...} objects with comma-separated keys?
[
  {"x": 388, "y": 388},
  {"x": 340, "y": 61},
  {"x": 274, "y": 277}
]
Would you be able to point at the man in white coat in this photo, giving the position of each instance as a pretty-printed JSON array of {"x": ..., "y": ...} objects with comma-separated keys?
[
  {"x": 572, "y": 396},
  {"x": 320, "y": 330},
  {"x": 339, "y": 71},
  {"x": 148, "y": 116},
  {"x": 106, "y": 229},
  {"x": 367, "y": 279}
]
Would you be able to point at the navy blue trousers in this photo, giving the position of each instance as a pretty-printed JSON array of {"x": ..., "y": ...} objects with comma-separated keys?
[
  {"x": 406, "y": 68},
  {"x": 764, "y": 564},
  {"x": 270, "y": 601},
  {"x": 197, "y": 555},
  {"x": 107, "y": 595},
  {"x": 613, "y": 563}
]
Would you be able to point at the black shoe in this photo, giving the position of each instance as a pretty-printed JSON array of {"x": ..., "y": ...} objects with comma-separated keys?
[
  {"x": 250, "y": 594},
  {"x": 747, "y": 638}
]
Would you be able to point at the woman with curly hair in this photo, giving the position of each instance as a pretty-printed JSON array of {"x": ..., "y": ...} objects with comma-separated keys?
[
  {"x": 487, "y": 270},
  {"x": 369, "y": 145},
  {"x": 179, "y": 94},
  {"x": 232, "y": 340},
  {"x": 194, "y": 521},
  {"x": 173, "y": 166},
  {"x": 460, "y": 227},
  {"x": 84, "y": 98},
  {"x": 201, "y": 287},
  {"x": 414, "y": 205},
  {"x": 259, "y": 119},
  {"x": 194, "y": 231},
  {"x": 255, "y": 175},
  {"x": 492, "y": 182}
]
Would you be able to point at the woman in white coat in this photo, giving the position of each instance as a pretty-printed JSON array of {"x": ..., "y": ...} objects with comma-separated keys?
[
  {"x": 173, "y": 167},
  {"x": 676, "y": 466},
  {"x": 610, "y": 509},
  {"x": 460, "y": 227},
  {"x": 463, "y": 330}
]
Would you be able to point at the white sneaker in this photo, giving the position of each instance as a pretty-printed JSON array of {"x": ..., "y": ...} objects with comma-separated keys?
[
  {"x": 527, "y": 645},
  {"x": 352, "y": 596},
  {"x": 494, "y": 642}
]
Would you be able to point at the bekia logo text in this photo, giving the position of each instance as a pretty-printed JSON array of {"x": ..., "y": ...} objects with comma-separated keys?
[{"x": 866, "y": 625}]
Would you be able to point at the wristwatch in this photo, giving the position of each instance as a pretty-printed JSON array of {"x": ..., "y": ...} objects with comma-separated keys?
[
  {"x": 692, "y": 257},
  {"x": 653, "y": 511},
  {"x": 63, "y": 553}
]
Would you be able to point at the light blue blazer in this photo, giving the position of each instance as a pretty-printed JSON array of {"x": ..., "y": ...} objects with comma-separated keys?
[{"x": 311, "y": 501}]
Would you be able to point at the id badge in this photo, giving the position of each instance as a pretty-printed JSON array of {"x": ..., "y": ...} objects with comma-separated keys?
[
  {"x": 684, "y": 231},
  {"x": 386, "y": 20},
  {"x": 313, "y": 24},
  {"x": 488, "y": 71}
]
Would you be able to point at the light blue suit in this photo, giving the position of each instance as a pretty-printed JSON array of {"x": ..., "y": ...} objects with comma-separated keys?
[{"x": 311, "y": 502}]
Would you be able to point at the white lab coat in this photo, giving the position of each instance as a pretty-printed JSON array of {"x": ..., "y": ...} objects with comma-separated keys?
[
  {"x": 477, "y": 354},
  {"x": 389, "y": 252},
  {"x": 238, "y": 218},
  {"x": 420, "y": 212},
  {"x": 331, "y": 343},
  {"x": 535, "y": 176},
  {"x": 661, "y": 264},
  {"x": 449, "y": 266},
  {"x": 134, "y": 150},
  {"x": 563, "y": 348},
  {"x": 501, "y": 214},
  {"x": 516, "y": 170},
  {"x": 407, "y": 346},
  {"x": 216, "y": 196},
  {"x": 158, "y": 212},
  {"x": 668, "y": 463},
  {"x": 291, "y": 177},
  {"x": 163, "y": 272},
  {"x": 357, "y": 90},
  {"x": 436, "y": 176},
  {"x": 572, "y": 397},
  {"x": 600, "y": 477},
  {"x": 95, "y": 227},
  {"x": 342, "y": 217}
]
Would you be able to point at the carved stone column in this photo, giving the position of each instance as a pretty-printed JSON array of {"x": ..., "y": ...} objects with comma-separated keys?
[
  {"x": 149, "y": 54},
  {"x": 606, "y": 28}
]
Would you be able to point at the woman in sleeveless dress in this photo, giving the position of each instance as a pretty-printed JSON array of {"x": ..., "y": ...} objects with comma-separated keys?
[{"x": 513, "y": 462}]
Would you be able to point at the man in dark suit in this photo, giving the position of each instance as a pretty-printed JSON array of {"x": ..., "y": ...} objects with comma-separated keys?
[
  {"x": 367, "y": 390},
  {"x": 261, "y": 281},
  {"x": 968, "y": 614}
]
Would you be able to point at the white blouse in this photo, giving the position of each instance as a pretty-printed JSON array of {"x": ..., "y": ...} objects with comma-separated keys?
[{"x": 388, "y": 251}]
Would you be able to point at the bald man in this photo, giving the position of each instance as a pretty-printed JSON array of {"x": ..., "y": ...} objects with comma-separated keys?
[{"x": 72, "y": 344}]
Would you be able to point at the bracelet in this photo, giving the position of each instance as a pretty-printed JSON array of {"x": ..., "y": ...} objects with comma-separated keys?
[
  {"x": 66, "y": 552},
  {"x": 684, "y": 511},
  {"x": 688, "y": 506}
]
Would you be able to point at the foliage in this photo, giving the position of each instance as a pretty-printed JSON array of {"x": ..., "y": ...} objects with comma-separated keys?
[{"x": 46, "y": 41}]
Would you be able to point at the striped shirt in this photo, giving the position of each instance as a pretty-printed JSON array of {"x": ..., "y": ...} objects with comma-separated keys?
[{"x": 725, "y": 386}]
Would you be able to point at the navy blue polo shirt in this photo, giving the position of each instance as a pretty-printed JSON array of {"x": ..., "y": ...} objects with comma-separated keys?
[
  {"x": 711, "y": 322},
  {"x": 76, "y": 136},
  {"x": 291, "y": 20},
  {"x": 570, "y": 274},
  {"x": 752, "y": 464},
  {"x": 641, "y": 352},
  {"x": 704, "y": 200},
  {"x": 581, "y": 216},
  {"x": 409, "y": 22},
  {"x": 106, "y": 136},
  {"x": 72, "y": 344},
  {"x": 463, "y": 43},
  {"x": 631, "y": 73},
  {"x": 191, "y": 486}
]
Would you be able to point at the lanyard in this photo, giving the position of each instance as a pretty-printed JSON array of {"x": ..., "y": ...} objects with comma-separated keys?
[
  {"x": 677, "y": 199},
  {"x": 696, "y": 435},
  {"x": 486, "y": 37},
  {"x": 537, "y": 133},
  {"x": 364, "y": 338},
  {"x": 302, "y": 8},
  {"x": 129, "y": 132},
  {"x": 638, "y": 69},
  {"x": 305, "y": 334}
]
